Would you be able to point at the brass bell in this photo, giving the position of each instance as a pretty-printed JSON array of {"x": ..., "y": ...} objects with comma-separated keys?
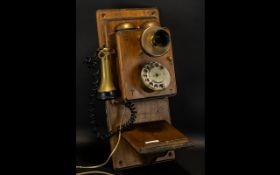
[{"x": 106, "y": 90}]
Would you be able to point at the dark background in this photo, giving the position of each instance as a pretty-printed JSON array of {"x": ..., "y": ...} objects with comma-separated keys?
[
  {"x": 185, "y": 19},
  {"x": 39, "y": 94}
]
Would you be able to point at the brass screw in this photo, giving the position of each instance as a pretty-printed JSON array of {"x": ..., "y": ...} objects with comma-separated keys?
[{"x": 170, "y": 59}]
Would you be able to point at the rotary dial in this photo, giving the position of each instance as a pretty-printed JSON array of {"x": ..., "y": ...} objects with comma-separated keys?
[{"x": 155, "y": 76}]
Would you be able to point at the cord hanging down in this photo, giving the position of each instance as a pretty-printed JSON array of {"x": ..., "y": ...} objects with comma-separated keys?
[
  {"x": 93, "y": 65},
  {"x": 108, "y": 159}
]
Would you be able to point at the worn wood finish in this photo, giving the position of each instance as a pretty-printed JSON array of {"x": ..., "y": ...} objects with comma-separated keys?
[
  {"x": 131, "y": 59},
  {"x": 148, "y": 109},
  {"x": 130, "y": 55},
  {"x": 108, "y": 20},
  {"x": 154, "y": 137}
]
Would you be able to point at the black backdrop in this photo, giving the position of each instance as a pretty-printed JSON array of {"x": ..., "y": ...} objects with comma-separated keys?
[
  {"x": 37, "y": 84},
  {"x": 185, "y": 19}
]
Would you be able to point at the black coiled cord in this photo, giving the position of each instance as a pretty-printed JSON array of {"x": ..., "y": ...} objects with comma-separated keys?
[
  {"x": 126, "y": 125},
  {"x": 94, "y": 65}
]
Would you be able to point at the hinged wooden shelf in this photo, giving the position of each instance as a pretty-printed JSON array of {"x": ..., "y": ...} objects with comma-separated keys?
[{"x": 155, "y": 137}]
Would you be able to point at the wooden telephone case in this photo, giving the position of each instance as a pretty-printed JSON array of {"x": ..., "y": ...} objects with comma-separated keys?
[{"x": 152, "y": 138}]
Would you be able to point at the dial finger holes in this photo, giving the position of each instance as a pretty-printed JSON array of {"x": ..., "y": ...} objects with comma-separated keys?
[{"x": 155, "y": 76}]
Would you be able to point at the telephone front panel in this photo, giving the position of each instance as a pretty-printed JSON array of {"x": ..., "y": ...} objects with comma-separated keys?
[{"x": 132, "y": 61}]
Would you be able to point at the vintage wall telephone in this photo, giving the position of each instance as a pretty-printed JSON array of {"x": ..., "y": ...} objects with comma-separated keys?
[{"x": 137, "y": 73}]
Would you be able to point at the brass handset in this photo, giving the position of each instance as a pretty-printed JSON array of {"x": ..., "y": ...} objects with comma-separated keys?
[{"x": 107, "y": 89}]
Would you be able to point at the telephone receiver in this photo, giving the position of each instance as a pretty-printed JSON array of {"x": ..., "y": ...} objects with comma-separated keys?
[{"x": 107, "y": 89}]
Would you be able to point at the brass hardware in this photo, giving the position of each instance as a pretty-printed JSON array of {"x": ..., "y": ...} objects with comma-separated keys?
[
  {"x": 106, "y": 89},
  {"x": 150, "y": 24},
  {"x": 170, "y": 59},
  {"x": 155, "y": 76},
  {"x": 155, "y": 40},
  {"x": 125, "y": 26}
]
